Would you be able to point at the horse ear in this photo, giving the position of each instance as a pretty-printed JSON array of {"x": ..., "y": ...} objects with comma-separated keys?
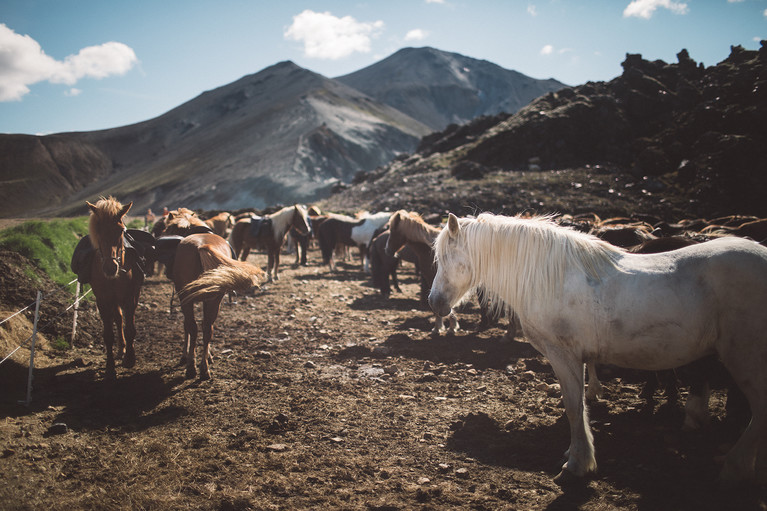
[
  {"x": 125, "y": 209},
  {"x": 91, "y": 206},
  {"x": 452, "y": 224},
  {"x": 394, "y": 220}
]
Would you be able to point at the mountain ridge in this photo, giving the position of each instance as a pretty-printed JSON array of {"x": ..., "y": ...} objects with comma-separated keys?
[{"x": 283, "y": 134}]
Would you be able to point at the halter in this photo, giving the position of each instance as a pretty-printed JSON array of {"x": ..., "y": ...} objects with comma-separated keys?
[{"x": 119, "y": 260}]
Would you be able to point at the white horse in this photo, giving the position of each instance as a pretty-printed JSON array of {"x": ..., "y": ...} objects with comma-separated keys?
[
  {"x": 582, "y": 300},
  {"x": 362, "y": 234}
]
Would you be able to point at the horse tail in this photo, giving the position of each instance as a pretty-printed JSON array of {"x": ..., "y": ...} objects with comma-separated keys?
[{"x": 221, "y": 275}]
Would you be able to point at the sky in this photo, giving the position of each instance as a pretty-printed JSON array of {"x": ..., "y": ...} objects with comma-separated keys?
[{"x": 84, "y": 65}]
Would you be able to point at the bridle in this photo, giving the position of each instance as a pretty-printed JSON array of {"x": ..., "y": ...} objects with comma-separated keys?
[{"x": 119, "y": 259}]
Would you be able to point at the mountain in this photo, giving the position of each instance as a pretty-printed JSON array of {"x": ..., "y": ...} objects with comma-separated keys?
[
  {"x": 668, "y": 140},
  {"x": 282, "y": 135},
  {"x": 440, "y": 88}
]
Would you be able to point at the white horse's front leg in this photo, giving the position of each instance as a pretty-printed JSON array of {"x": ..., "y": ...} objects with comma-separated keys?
[
  {"x": 439, "y": 325},
  {"x": 581, "y": 460},
  {"x": 453, "y": 322},
  {"x": 595, "y": 390}
]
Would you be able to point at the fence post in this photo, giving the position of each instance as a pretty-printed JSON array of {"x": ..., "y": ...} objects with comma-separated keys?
[
  {"x": 32, "y": 349},
  {"x": 74, "y": 317}
]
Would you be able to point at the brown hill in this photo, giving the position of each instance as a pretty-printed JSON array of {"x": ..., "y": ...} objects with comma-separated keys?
[{"x": 283, "y": 134}]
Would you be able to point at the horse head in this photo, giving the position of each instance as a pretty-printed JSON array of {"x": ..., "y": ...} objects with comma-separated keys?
[
  {"x": 301, "y": 220},
  {"x": 396, "y": 238},
  {"x": 454, "y": 275},
  {"x": 106, "y": 231}
]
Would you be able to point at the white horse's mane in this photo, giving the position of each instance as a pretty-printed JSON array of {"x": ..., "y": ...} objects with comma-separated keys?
[{"x": 524, "y": 260}]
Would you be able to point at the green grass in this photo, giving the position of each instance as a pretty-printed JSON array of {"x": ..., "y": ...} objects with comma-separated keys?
[{"x": 48, "y": 244}]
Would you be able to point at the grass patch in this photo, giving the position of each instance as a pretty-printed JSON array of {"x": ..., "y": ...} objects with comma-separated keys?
[{"x": 48, "y": 244}]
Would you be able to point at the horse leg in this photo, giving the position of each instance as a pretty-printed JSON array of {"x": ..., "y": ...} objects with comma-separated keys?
[
  {"x": 439, "y": 325},
  {"x": 511, "y": 330},
  {"x": 210, "y": 310},
  {"x": 129, "y": 327},
  {"x": 108, "y": 320},
  {"x": 119, "y": 322},
  {"x": 304, "y": 244},
  {"x": 245, "y": 253},
  {"x": 595, "y": 390},
  {"x": 581, "y": 460},
  {"x": 453, "y": 322},
  {"x": 190, "y": 337},
  {"x": 276, "y": 264}
]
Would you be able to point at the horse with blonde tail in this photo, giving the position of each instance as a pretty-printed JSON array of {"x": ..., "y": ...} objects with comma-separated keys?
[
  {"x": 204, "y": 271},
  {"x": 580, "y": 299}
]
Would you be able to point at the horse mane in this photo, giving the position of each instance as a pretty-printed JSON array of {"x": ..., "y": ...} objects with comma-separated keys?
[
  {"x": 524, "y": 260},
  {"x": 281, "y": 219},
  {"x": 180, "y": 221},
  {"x": 106, "y": 209},
  {"x": 414, "y": 228}
]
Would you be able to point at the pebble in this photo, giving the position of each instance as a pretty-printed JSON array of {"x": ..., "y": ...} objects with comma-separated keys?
[{"x": 277, "y": 447}]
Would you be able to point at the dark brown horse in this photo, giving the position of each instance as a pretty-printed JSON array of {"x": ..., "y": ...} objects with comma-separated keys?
[
  {"x": 116, "y": 279},
  {"x": 204, "y": 271},
  {"x": 271, "y": 235}
]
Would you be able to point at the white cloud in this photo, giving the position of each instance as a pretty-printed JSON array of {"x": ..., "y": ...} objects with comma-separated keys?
[
  {"x": 646, "y": 8},
  {"x": 547, "y": 50},
  {"x": 23, "y": 63},
  {"x": 416, "y": 34},
  {"x": 328, "y": 37},
  {"x": 435, "y": 1},
  {"x": 73, "y": 92},
  {"x": 532, "y": 11}
]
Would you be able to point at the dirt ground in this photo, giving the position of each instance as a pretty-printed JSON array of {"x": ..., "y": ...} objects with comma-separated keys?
[{"x": 325, "y": 395}]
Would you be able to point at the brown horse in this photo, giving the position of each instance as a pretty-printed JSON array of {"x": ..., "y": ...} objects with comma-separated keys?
[
  {"x": 116, "y": 279},
  {"x": 204, "y": 271},
  {"x": 408, "y": 228},
  {"x": 221, "y": 223},
  {"x": 271, "y": 235}
]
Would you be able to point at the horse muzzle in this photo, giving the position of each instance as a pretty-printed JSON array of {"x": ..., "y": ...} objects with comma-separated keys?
[
  {"x": 111, "y": 268},
  {"x": 439, "y": 304}
]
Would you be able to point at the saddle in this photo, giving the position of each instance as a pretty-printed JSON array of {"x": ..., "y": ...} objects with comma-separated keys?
[
  {"x": 260, "y": 225},
  {"x": 141, "y": 243}
]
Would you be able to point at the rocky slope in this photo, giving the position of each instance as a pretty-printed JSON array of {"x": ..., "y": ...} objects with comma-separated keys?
[
  {"x": 675, "y": 140},
  {"x": 440, "y": 88}
]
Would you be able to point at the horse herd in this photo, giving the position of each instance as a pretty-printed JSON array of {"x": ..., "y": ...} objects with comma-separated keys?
[{"x": 635, "y": 294}]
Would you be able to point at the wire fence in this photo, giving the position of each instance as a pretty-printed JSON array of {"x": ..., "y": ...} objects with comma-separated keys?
[{"x": 37, "y": 328}]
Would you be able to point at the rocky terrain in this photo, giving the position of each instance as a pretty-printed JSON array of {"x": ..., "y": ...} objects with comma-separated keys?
[
  {"x": 327, "y": 395},
  {"x": 670, "y": 140}
]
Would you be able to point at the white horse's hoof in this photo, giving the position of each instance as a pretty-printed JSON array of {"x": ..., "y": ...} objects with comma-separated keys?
[{"x": 567, "y": 478}]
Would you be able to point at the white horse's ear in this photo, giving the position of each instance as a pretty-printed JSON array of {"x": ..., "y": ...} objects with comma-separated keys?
[{"x": 452, "y": 224}]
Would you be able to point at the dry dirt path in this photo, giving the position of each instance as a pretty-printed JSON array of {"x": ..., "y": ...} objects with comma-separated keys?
[{"x": 327, "y": 396}]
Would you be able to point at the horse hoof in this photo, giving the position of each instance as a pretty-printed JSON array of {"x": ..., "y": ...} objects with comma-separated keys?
[
  {"x": 205, "y": 376},
  {"x": 567, "y": 478},
  {"x": 190, "y": 374},
  {"x": 129, "y": 361}
]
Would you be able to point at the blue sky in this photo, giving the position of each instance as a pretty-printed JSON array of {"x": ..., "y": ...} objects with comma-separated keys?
[{"x": 82, "y": 65}]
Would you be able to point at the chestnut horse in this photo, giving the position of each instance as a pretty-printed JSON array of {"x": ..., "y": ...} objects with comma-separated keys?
[
  {"x": 204, "y": 271},
  {"x": 116, "y": 278},
  {"x": 408, "y": 228},
  {"x": 271, "y": 236}
]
